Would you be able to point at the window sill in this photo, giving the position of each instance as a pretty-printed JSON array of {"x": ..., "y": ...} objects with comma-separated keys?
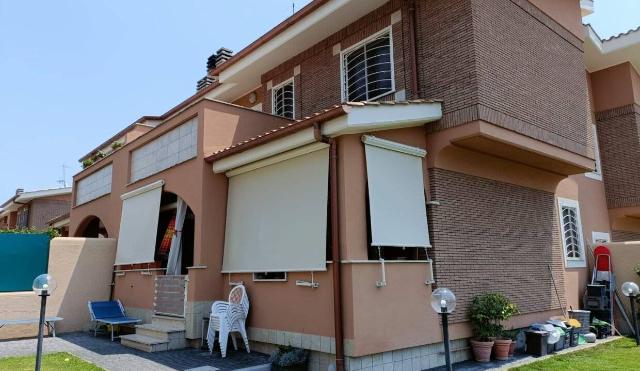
[
  {"x": 593, "y": 176},
  {"x": 569, "y": 264}
]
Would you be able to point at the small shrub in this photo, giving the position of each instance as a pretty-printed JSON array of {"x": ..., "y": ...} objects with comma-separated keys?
[
  {"x": 487, "y": 313},
  {"x": 87, "y": 162},
  {"x": 115, "y": 145},
  {"x": 99, "y": 155},
  {"x": 288, "y": 356},
  {"x": 52, "y": 232}
]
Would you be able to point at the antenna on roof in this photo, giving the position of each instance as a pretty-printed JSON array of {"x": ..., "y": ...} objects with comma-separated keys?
[
  {"x": 293, "y": 6},
  {"x": 63, "y": 181}
]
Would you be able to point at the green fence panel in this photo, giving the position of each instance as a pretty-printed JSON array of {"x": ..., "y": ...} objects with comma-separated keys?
[{"x": 23, "y": 257}]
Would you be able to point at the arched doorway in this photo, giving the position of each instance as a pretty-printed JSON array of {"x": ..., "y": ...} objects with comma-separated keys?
[{"x": 92, "y": 227}]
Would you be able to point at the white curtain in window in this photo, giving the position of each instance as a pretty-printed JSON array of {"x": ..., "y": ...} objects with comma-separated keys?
[
  {"x": 396, "y": 194},
  {"x": 174, "y": 264},
  {"x": 277, "y": 213},
  {"x": 139, "y": 224}
]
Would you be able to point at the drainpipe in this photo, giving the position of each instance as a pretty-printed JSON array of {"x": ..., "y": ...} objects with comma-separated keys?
[
  {"x": 413, "y": 59},
  {"x": 335, "y": 243}
]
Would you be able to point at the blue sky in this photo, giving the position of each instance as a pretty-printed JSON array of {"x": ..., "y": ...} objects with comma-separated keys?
[{"x": 73, "y": 73}]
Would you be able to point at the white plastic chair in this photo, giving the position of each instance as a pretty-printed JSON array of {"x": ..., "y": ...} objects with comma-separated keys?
[{"x": 228, "y": 317}]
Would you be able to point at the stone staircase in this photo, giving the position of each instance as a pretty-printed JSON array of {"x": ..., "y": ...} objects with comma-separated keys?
[{"x": 163, "y": 333}]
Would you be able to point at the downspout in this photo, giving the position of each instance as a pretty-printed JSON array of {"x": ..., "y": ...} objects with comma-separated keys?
[
  {"x": 335, "y": 243},
  {"x": 413, "y": 59}
]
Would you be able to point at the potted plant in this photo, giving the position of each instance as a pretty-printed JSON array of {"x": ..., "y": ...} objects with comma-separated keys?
[
  {"x": 289, "y": 358},
  {"x": 87, "y": 162},
  {"x": 487, "y": 313},
  {"x": 513, "y": 336},
  {"x": 502, "y": 345}
]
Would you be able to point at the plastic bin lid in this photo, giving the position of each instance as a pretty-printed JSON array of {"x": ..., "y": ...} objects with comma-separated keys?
[{"x": 538, "y": 332}]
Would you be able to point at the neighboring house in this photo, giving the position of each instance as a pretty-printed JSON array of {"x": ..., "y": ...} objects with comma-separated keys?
[
  {"x": 61, "y": 223},
  {"x": 466, "y": 158},
  {"x": 34, "y": 209}
]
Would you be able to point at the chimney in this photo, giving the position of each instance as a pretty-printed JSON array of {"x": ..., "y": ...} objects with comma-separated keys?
[
  {"x": 204, "y": 82},
  {"x": 19, "y": 191},
  {"x": 223, "y": 55}
]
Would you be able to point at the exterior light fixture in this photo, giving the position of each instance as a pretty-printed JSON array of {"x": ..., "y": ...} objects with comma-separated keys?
[
  {"x": 632, "y": 290},
  {"x": 44, "y": 285},
  {"x": 443, "y": 301}
]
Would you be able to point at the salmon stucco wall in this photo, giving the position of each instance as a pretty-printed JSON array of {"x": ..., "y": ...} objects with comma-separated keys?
[{"x": 591, "y": 197}]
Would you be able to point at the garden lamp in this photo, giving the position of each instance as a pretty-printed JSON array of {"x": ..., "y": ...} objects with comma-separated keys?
[
  {"x": 443, "y": 301},
  {"x": 632, "y": 290},
  {"x": 44, "y": 285}
]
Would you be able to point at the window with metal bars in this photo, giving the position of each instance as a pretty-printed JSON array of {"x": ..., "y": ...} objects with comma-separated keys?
[
  {"x": 571, "y": 232},
  {"x": 22, "y": 221},
  {"x": 283, "y": 100},
  {"x": 368, "y": 69}
]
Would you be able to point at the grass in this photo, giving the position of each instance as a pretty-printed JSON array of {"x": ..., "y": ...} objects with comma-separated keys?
[
  {"x": 622, "y": 354},
  {"x": 50, "y": 362}
]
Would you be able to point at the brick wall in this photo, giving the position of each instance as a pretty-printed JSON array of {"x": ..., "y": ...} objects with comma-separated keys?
[
  {"x": 502, "y": 61},
  {"x": 622, "y": 236},
  {"x": 317, "y": 87},
  {"x": 494, "y": 236},
  {"x": 619, "y": 139},
  {"x": 513, "y": 68},
  {"x": 43, "y": 210}
]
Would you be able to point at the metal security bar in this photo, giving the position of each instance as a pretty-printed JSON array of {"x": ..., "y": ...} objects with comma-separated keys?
[
  {"x": 283, "y": 103},
  {"x": 368, "y": 70},
  {"x": 571, "y": 234}
]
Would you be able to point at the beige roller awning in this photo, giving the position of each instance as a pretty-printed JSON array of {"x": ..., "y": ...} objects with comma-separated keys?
[
  {"x": 396, "y": 194},
  {"x": 277, "y": 213},
  {"x": 139, "y": 224}
]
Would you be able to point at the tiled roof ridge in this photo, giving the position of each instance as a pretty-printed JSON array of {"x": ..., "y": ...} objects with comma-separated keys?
[
  {"x": 623, "y": 34},
  {"x": 325, "y": 111}
]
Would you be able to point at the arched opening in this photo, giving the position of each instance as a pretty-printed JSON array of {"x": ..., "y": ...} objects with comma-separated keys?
[
  {"x": 92, "y": 227},
  {"x": 168, "y": 221}
]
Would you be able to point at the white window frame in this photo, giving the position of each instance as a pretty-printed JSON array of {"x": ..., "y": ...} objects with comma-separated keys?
[
  {"x": 270, "y": 280},
  {"x": 388, "y": 30},
  {"x": 273, "y": 94},
  {"x": 600, "y": 236},
  {"x": 572, "y": 262},
  {"x": 597, "y": 172}
]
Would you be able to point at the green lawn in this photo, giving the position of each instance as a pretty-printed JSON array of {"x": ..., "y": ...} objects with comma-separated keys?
[
  {"x": 622, "y": 354},
  {"x": 51, "y": 361}
]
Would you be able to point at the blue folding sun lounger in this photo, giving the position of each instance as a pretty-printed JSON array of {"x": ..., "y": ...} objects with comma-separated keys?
[{"x": 110, "y": 313}]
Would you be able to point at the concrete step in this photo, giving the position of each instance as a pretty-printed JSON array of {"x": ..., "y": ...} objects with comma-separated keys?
[
  {"x": 175, "y": 337},
  {"x": 170, "y": 322},
  {"x": 144, "y": 343},
  {"x": 159, "y": 331}
]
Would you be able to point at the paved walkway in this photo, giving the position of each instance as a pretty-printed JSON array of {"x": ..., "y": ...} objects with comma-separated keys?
[{"x": 115, "y": 357}]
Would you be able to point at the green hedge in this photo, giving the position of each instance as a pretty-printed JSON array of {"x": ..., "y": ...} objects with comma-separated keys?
[{"x": 52, "y": 232}]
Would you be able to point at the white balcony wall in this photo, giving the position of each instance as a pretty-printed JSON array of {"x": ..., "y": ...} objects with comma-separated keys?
[
  {"x": 170, "y": 149},
  {"x": 95, "y": 185}
]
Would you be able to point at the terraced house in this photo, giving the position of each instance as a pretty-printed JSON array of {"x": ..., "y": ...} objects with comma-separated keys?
[
  {"x": 362, "y": 153},
  {"x": 34, "y": 209}
]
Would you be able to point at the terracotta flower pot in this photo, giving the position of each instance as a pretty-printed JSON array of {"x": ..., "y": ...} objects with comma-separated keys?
[
  {"x": 482, "y": 350},
  {"x": 512, "y": 348},
  {"x": 501, "y": 348}
]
